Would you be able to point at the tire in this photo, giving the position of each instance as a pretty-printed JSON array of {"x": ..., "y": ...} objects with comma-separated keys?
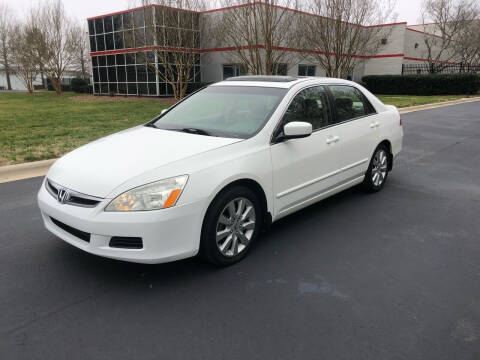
[
  {"x": 229, "y": 232},
  {"x": 377, "y": 172}
]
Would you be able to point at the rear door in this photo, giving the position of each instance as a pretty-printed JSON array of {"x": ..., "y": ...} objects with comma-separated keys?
[
  {"x": 357, "y": 124},
  {"x": 303, "y": 169}
]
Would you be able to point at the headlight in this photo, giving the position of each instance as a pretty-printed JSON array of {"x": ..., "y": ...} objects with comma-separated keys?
[{"x": 154, "y": 196}]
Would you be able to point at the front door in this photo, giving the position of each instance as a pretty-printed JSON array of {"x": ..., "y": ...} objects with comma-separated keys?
[{"x": 304, "y": 169}]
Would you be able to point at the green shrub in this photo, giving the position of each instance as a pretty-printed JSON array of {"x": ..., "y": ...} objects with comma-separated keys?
[
  {"x": 78, "y": 85},
  {"x": 64, "y": 87},
  {"x": 438, "y": 84}
]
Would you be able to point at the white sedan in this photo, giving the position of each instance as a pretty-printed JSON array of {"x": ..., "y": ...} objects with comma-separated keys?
[{"x": 209, "y": 173}]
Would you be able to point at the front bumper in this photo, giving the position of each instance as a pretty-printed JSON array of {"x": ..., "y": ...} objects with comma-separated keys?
[{"x": 167, "y": 234}]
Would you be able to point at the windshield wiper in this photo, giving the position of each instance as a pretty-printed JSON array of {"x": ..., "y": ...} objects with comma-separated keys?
[
  {"x": 151, "y": 125},
  {"x": 191, "y": 130}
]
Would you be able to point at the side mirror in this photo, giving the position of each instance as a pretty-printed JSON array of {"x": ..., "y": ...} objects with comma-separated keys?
[
  {"x": 163, "y": 111},
  {"x": 296, "y": 130}
]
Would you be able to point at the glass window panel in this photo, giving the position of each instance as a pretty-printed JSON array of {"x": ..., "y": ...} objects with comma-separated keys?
[
  {"x": 117, "y": 23},
  {"x": 103, "y": 74},
  {"x": 108, "y": 24},
  {"x": 185, "y": 20},
  {"x": 148, "y": 16},
  {"x": 96, "y": 77},
  {"x": 149, "y": 36},
  {"x": 132, "y": 89},
  {"x": 94, "y": 61},
  {"x": 169, "y": 89},
  {"x": 142, "y": 89},
  {"x": 139, "y": 37},
  {"x": 310, "y": 105},
  {"x": 171, "y": 37},
  {"x": 112, "y": 88},
  {"x": 93, "y": 45},
  {"x": 129, "y": 39},
  {"x": 112, "y": 74},
  {"x": 104, "y": 88},
  {"x": 91, "y": 27},
  {"x": 110, "y": 60},
  {"x": 150, "y": 57},
  {"x": 100, "y": 42},
  {"x": 127, "y": 20},
  {"x": 171, "y": 18},
  {"x": 196, "y": 39},
  {"x": 118, "y": 40},
  {"x": 131, "y": 74},
  {"x": 122, "y": 88},
  {"x": 130, "y": 57},
  {"x": 280, "y": 69},
  {"x": 198, "y": 77},
  {"x": 96, "y": 88},
  {"x": 138, "y": 18},
  {"x": 162, "y": 89},
  {"x": 228, "y": 71},
  {"x": 109, "y": 42},
  {"x": 120, "y": 59},
  {"x": 160, "y": 36},
  {"x": 140, "y": 58},
  {"x": 99, "y": 26},
  {"x": 102, "y": 60},
  {"x": 196, "y": 21},
  {"x": 151, "y": 75},
  {"x": 158, "y": 17},
  {"x": 141, "y": 73},
  {"x": 121, "y": 74},
  {"x": 197, "y": 59},
  {"x": 152, "y": 89}
]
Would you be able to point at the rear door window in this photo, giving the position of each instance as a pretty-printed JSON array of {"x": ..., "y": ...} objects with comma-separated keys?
[{"x": 349, "y": 102}]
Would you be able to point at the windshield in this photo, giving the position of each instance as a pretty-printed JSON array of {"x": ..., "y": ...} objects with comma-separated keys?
[{"x": 226, "y": 111}]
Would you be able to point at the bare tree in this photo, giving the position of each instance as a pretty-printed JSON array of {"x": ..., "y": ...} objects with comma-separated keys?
[
  {"x": 81, "y": 47},
  {"x": 342, "y": 33},
  {"x": 60, "y": 37},
  {"x": 467, "y": 45},
  {"x": 173, "y": 33},
  {"x": 260, "y": 35},
  {"x": 6, "y": 25},
  {"x": 446, "y": 22},
  {"x": 24, "y": 57}
]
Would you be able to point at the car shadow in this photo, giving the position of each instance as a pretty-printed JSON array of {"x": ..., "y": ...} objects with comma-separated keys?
[{"x": 78, "y": 263}]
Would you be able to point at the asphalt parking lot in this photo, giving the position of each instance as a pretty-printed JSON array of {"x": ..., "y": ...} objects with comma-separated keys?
[{"x": 394, "y": 275}]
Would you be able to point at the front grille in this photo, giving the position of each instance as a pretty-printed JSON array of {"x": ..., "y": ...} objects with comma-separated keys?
[
  {"x": 126, "y": 242},
  {"x": 75, "y": 232},
  {"x": 74, "y": 197}
]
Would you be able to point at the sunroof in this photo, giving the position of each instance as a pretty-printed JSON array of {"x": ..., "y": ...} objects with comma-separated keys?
[{"x": 263, "y": 78}]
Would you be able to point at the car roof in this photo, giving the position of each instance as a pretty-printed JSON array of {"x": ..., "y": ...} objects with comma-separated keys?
[{"x": 284, "y": 82}]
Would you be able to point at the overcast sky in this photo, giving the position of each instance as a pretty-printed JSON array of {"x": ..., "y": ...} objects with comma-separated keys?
[{"x": 407, "y": 10}]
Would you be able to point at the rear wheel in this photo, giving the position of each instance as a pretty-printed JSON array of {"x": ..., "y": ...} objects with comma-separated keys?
[
  {"x": 231, "y": 225},
  {"x": 377, "y": 172}
]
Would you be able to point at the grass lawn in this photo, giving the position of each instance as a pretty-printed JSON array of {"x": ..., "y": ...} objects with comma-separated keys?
[
  {"x": 406, "y": 100},
  {"x": 44, "y": 126}
]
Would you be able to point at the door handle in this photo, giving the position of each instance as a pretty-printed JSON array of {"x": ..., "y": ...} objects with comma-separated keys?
[
  {"x": 332, "y": 139},
  {"x": 374, "y": 125}
]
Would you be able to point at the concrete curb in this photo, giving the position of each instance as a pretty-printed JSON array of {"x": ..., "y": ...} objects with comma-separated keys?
[
  {"x": 409, "y": 109},
  {"x": 25, "y": 171},
  {"x": 40, "y": 168}
]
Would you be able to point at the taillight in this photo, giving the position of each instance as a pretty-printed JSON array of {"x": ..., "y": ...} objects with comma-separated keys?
[{"x": 400, "y": 121}]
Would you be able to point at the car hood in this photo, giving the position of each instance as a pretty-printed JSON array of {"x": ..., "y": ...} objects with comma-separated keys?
[{"x": 99, "y": 167}]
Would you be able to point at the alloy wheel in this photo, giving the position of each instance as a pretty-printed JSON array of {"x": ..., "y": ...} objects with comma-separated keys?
[
  {"x": 379, "y": 167},
  {"x": 235, "y": 226}
]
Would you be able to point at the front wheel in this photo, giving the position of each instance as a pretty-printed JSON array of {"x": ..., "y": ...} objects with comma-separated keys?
[
  {"x": 231, "y": 225},
  {"x": 377, "y": 172}
]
